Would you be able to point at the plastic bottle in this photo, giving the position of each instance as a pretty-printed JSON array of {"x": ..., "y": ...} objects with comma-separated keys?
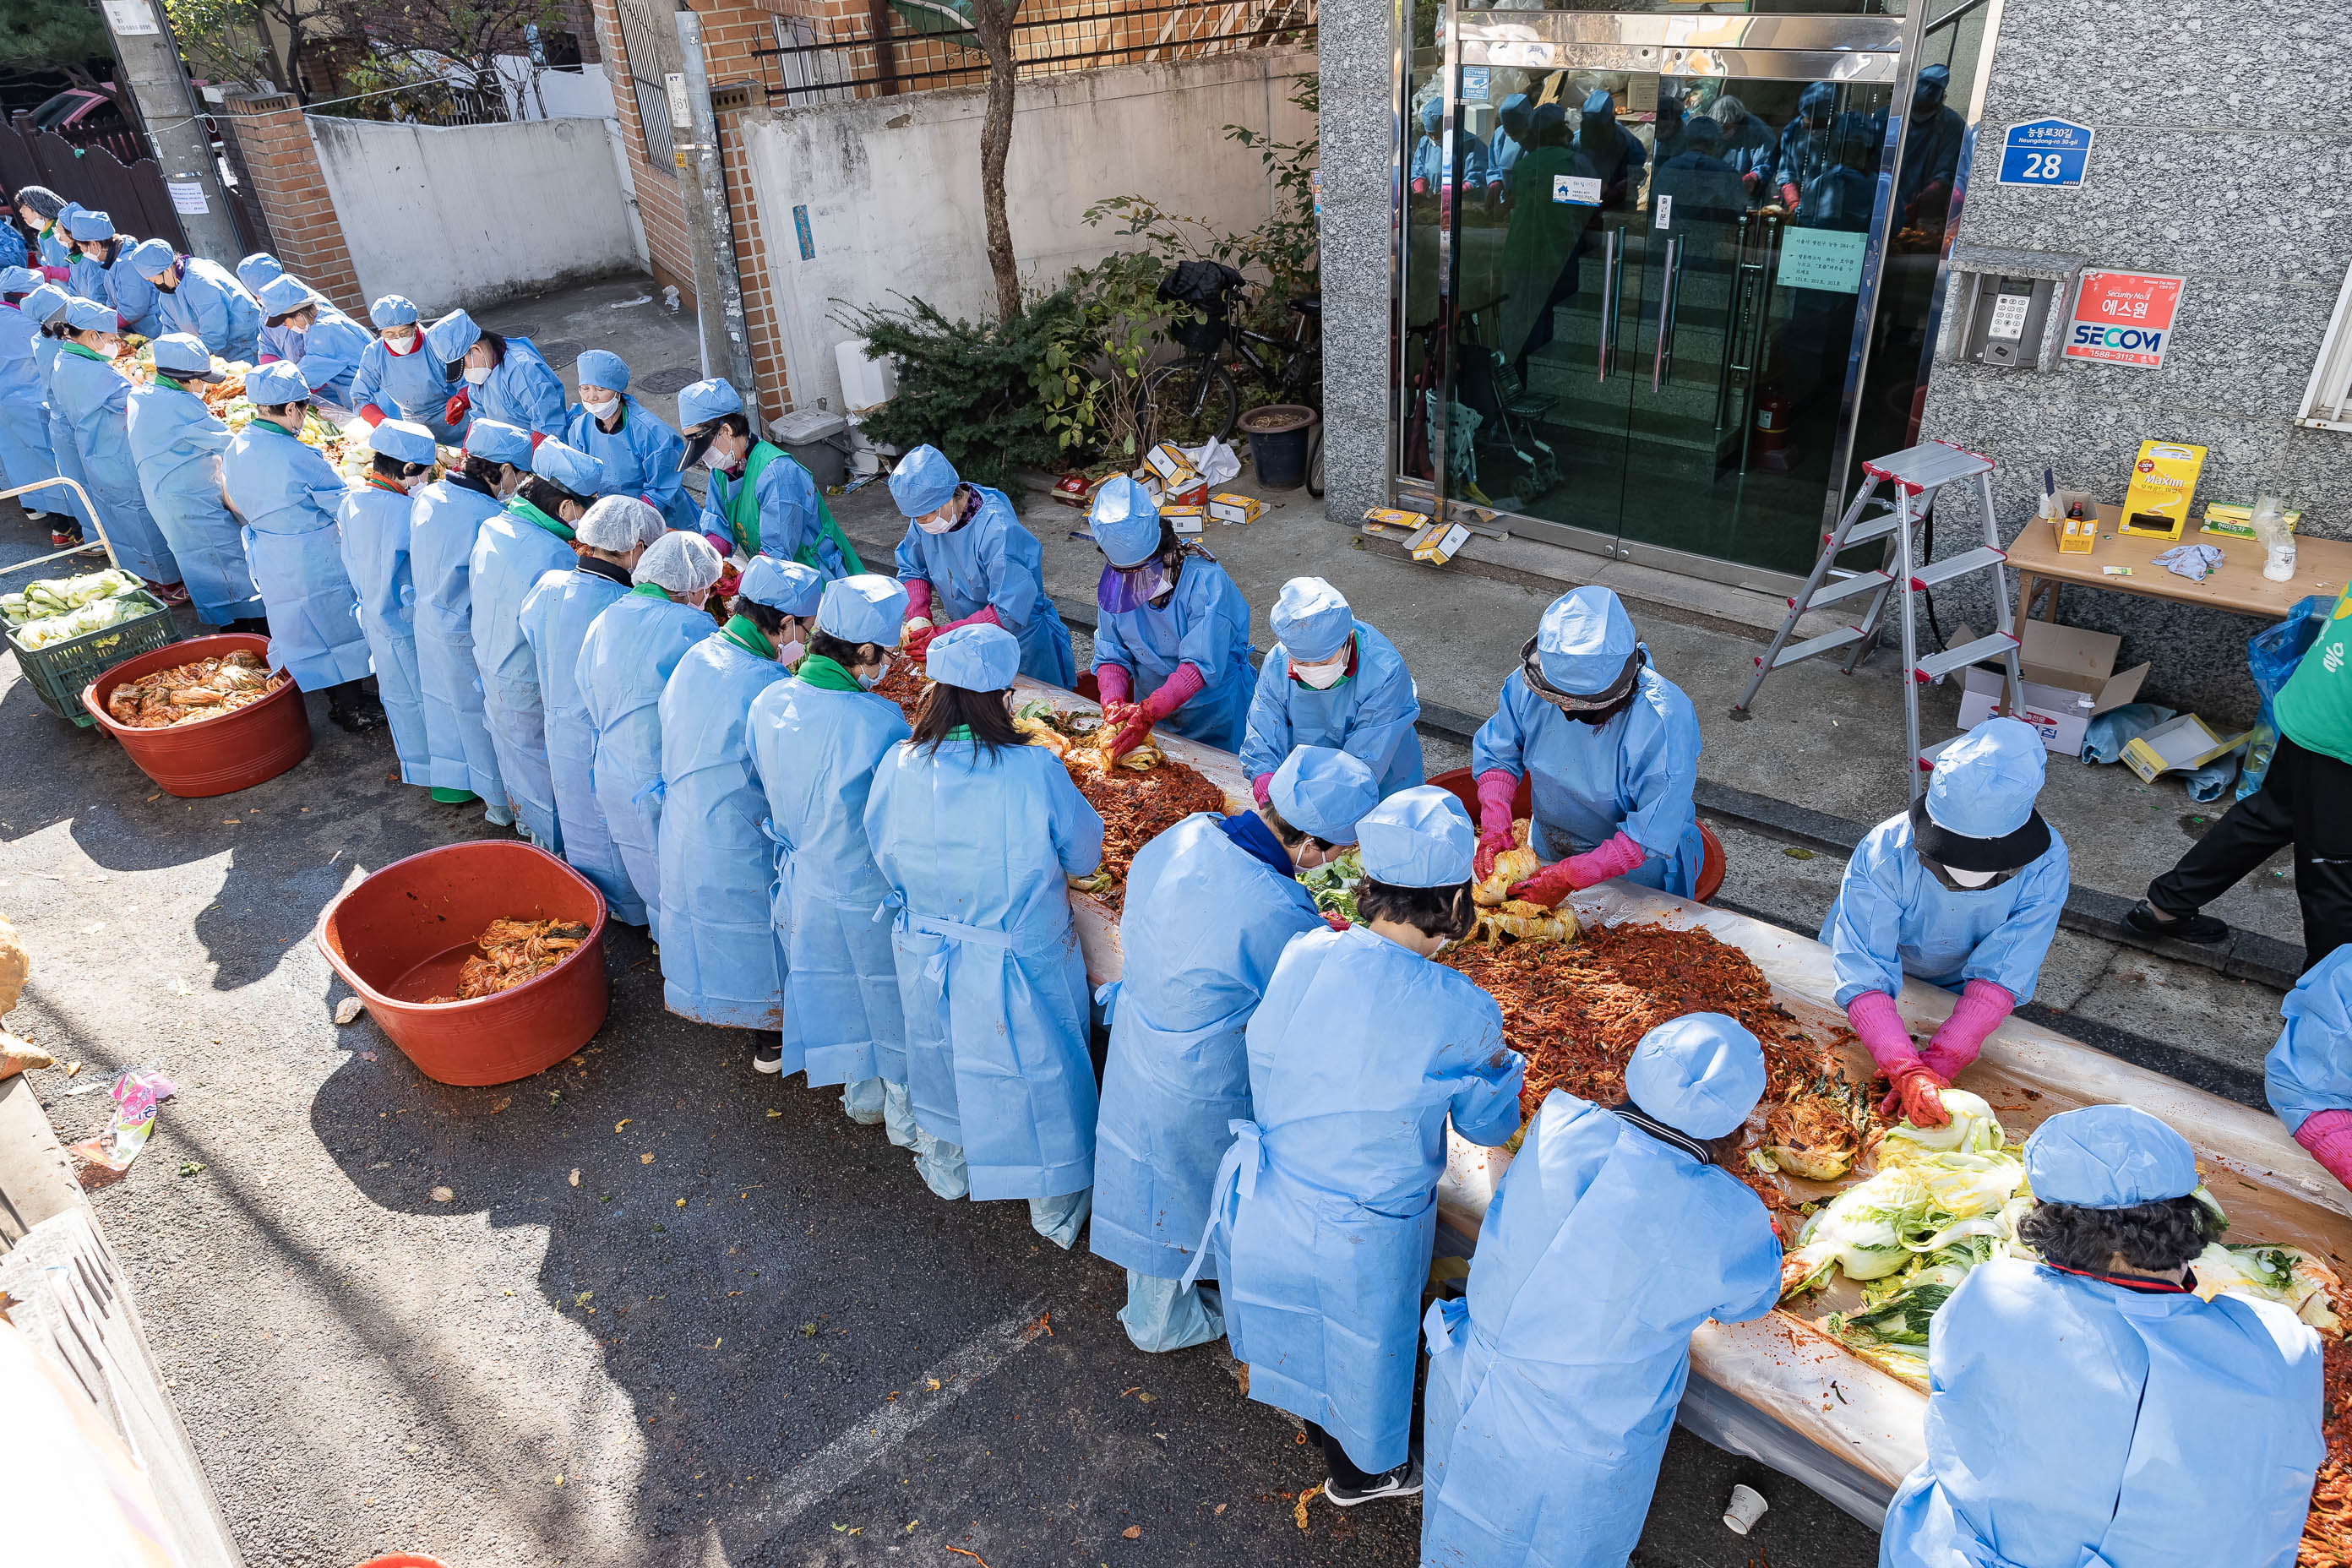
[{"x": 2278, "y": 544}]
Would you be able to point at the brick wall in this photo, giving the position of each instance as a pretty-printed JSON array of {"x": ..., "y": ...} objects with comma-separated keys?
[
  {"x": 752, "y": 241},
  {"x": 282, "y": 163}
]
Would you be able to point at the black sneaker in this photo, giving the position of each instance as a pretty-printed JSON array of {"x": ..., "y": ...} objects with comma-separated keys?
[
  {"x": 1403, "y": 1481},
  {"x": 769, "y": 1057},
  {"x": 355, "y": 720},
  {"x": 2204, "y": 930}
]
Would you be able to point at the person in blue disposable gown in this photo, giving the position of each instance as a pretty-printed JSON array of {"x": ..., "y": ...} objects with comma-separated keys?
[
  {"x": 199, "y": 298},
  {"x": 1931, "y": 153},
  {"x": 977, "y": 834},
  {"x": 38, "y": 208},
  {"x": 445, "y": 524},
  {"x": 641, "y": 455},
  {"x": 25, "y": 455},
  {"x": 1211, "y": 903},
  {"x": 94, "y": 398},
  {"x": 1513, "y": 136},
  {"x": 496, "y": 376},
  {"x": 1428, "y": 170},
  {"x": 721, "y": 956},
  {"x": 48, "y": 308},
  {"x": 177, "y": 443},
  {"x": 397, "y": 377},
  {"x": 2308, "y": 1075},
  {"x": 257, "y": 269},
  {"x": 612, "y": 536},
  {"x": 1331, "y": 680},
  {"x": 966, "y": 560},
  {"x": 1324, "y": 1211},
  {"x": 816, "y": 740},
  {"x": 289, "y": 494},
  {"x": 1611, "y": 747},
  {"x": 374, "y": 524},
  {"x": 1172, "y": 643},
  {"x": 102, "y": 270},
  {"x": 625, "y": 660},
  {"x": 759, "y": 501},
  {"x": 1962, "y": 891},
  {"x": 328, "y": 348},
  {"x": 531, "y": 537},
  {"x": 1615, "y": 1232},
  {"x": 2087, "y": 1408}
]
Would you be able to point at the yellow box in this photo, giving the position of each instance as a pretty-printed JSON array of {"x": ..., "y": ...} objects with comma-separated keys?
[
  {"x": 2164, "y": 479},
  {"x": 1235, "y": 508},
  {"x": 2238, "y": 521},
  {"x": 1381, "y": 519},
  {"x": 2076, "y": 535},
  {"x": 2187, "y": 742},
  {"x": 1171, "y": 464},
  {"x": 1437, "y": 541},
  {"x": 1185, "y": 520}
]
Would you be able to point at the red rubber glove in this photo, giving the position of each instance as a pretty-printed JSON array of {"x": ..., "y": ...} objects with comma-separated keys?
[
  {"x": 916, "y": 644},
  {"x": 986, "y": 618},
  {"x": 1788, "y": 196},
  {"x": 729, "y": 581},
  {"x": 1915, "y": 1092},
  {"x": 56, "y": 274},
  {"x": 919, "y": 598},
  {"x": 1498, "y": 788},
  {"x": 536, "y": 438},
  {"x": 1979, "y": 1012},
  {"x": 1556, "y": 881},
  {"x": 1261, "y": 787},
  {"x": 2327, "y": 1134},
  {"x": 1876, "y": 1018},
  {"x": 264, "y": 359},
  {"x": 1421, "y": 187},
  {"x": 371, "y": 413},
  {"x": 1335, "y": 920},
  {"x": 1183, "y": 683},
  {"x": 455, "y": 410}
]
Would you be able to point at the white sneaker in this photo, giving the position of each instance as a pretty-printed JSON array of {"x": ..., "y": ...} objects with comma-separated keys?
[{"x": 769, "y": 1057}]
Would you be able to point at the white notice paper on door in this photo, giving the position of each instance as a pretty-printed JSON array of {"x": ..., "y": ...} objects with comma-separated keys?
[
  {"x": 1576, "y": 190},
  {"x": 1825, "y": 259},
  {"x": 130, "y": 18},
  {"x": 188, "y": 196}
]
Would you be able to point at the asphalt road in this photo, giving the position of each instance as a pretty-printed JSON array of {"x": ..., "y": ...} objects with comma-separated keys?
[{"x": 649, "y": 1308}]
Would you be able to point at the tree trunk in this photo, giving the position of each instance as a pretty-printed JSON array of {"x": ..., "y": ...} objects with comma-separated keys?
[{"x": 992, "y": 21}]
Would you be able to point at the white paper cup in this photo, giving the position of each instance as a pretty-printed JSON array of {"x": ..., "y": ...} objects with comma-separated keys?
[{"x": 1746, "y": 1507}]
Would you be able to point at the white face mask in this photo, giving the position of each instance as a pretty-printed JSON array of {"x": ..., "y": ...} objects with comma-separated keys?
[
  {"x": 600, "y": 410},
  {"x": 942, "y": 520},
  {"x": 477, "y": 374},
  {"x": 791, "y": 652},
  {"x": 1969, "y": 879},
  {"x": 1321, "y": 677},
  {"x": 401, "y": 338},
  {"x": 881, "y": 672}
]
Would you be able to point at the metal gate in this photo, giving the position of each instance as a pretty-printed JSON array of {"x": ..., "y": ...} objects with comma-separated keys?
[{"x": 133, "y": 194}]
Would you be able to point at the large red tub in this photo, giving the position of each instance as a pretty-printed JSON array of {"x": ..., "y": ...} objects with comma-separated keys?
[
  {"x": 400, "y": 937},
  {"x": 214, "y": 756}
]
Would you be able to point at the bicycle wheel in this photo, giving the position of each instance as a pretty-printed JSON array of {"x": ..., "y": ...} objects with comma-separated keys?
[
  {"x": 1193, "y": 400},
  {"x": 1315, "y": 463}
]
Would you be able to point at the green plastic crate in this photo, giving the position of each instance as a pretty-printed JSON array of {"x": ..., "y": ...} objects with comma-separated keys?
[{"x": 59, "y": 672}]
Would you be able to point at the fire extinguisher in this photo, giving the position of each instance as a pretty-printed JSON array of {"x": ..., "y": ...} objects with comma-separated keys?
[{"x": 1771, "y": 420}]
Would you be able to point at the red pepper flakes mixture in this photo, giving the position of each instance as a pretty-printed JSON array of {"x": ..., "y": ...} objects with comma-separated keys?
[{"x": 2328, "y": 1528}]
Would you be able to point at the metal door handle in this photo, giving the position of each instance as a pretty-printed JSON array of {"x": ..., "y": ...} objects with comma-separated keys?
[
  {"x": 1611, "y": 239},
  {"x": 1664, "y": 359}
]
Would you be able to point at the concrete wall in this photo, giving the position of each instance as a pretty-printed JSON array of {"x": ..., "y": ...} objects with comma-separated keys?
[
  {"x": 534, "y": 92},
  {"x": 469, "y": 215},
  {"x": 892, "y": 184},
  {"x": 2207, "y": 164},
  {"x": 1357, "y": 62}
]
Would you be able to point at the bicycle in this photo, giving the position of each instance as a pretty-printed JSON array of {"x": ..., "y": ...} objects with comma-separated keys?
[{"x": 1191, "y": 399}]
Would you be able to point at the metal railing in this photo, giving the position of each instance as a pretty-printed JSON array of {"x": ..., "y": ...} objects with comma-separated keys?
[{"x": 432, "y": 101}]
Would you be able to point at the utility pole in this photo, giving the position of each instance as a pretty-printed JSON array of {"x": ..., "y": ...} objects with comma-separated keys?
[
  {"x": 702, "y": 182},
  {"x": 149, "y": 60}
]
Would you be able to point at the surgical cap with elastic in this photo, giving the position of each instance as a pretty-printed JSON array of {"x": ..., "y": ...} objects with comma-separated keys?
[
  {"x": 283, "y": 295},
  {"x": 90, "y": 316},
  {"x": 499, "y": 442},
  {"x": 599, "y": 368},
  {"x": 788, "y": 587},
  {"x": 403, "y": 440},
  {"x": 258, "y": 269},
  {"x": 1311, "y": 619},
  {"x": 680, "y": 561},
  {"x": 1324, "y": 792},
  {"x": 1584, "y": 640},
  {"x": 151, "y": 258},
  {"x": 2108, "y": 1157},
  {"x": 1700, "y": 1074},
  {"x": 1418, "y": 838},
  {"x": 978, "y": 658},
  {"x": 1985, "y": 782},
  {"x": 704, "y": 401},
  {"x": 41, "y": 199},
  {"x": 393, "y": 311},
  {"x": 577, "y": 472},
  {"x": 864, "y": 608},
  {"x": 1433, "y": 115},
  {"x": 181, "y": 353},
  {"x": 46, "y": 303},
  {"x": 84, "y": 224},
  {"x": 923, "y": 481},
  {"x": 1125, "y": 521},
  {"x": 451, "y": 336},
  {"x": 278, "y": 382},
  {"x": 616, "y": 523},
  {"x": 18, "y": 280}
]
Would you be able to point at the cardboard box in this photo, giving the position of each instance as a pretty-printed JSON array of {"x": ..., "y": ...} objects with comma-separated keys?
[
  {"x": 1436, "y": 542},
  {"x": 2238, "y": 521},
  {"x": 2163, "y": 481},
  {"x": 1235, "y": 508},
  {"x": 2070, "y": 680},
  {"x": 1389, "y": 519},
  {"x": 1151, "y": 485},
  {"x": 1185, "y": 520},
  {"x": 1171, "y": 464},
  {"x": 2076, "y": 535},
  {"x": 1196, "y": 494},
  {"x": 2185, "y": 742}
]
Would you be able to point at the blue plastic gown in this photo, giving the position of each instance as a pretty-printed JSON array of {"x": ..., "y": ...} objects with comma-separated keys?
[
  {"x": 640, "y": 458},
  {"x": 721, "y": 960},
  {"x": 993, "y": 989},
  {"x": 1327, "y": 1199},
  {"x": 1206, "y": 624},
  {"x": 211, "y": 304},
  {"x": 2310, "y": 1068},
  {"x": 329, "y": 355},
  {"x": 376, "y": 528},
  {"x": 56, "y": 253},
  {"x": 1370, "y": 715},
  {"x": 46, "y": 351},
  {"x": 279, "y": 342},
  {"x": 134, "y": 298},
  {"x": 1893, "y": 918},
  {"x": 177, "y": 444},
  {"x": 816, "y": 750},
  {"x": 1633, "y": 775},
  {"x": 94, "y": 399},
  {"x": 1553, "y": 1385},
  {"x": 625, "y": 660},
  {"x": 522, "y": 391},
  {"x": 556, "y": 616},
  {"x": 406, "y": 386},
  {"x": 1429, "y": 160},
  {"x": 24, "y": 454},
  {"x": 1204, "y": 923},
  {"x": 2074, "y": 1424},
  {"x": 87, "y": 280},
  {"x": 289, "y": 495},
  {"x": 511, "y": 553},
  {"x": 993, "y": 560},
  {"x": 790, "y": 519},
  {"x": 445, "y": 521}
]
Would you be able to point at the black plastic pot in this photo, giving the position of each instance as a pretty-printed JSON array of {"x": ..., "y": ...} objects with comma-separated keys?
[{"x": 1278, "y": 437}]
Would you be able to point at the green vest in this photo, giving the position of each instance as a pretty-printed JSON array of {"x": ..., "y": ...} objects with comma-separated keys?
[
  {"x": 744, "y": 510},
  {"x": 2314, "y": 706}
]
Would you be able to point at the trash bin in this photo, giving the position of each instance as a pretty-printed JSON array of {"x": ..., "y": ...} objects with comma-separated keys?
[
  {"x": 818, "y": 441},
  {"x": 1278, "y": 434}
]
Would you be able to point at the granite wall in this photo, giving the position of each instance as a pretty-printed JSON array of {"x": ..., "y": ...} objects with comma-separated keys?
[
  {"x": 2217, "y": 158},
  {"x": 1358, "y": 130}
]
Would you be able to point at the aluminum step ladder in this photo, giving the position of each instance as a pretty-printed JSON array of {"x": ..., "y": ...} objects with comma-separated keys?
[{"x": 1914, "y": 475}]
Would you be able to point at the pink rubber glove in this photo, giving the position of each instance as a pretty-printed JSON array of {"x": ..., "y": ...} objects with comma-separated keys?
[
  {"x": 1262, "y": 787},
  {"x": 721, "y": 543},
  {"x": 1561, "y": 877},
  {"x": 1875, "y": 1019},
  {"x": 1981, "y": 1007},
  {"x": 1112, "y": 680},
  {"x": 986, "y": 618},
  {"x": 919, "y": 598},
  {"x": 1498, "y": 788},
  {"x": 1184, "y": 683},
  {"x": 2328, "y": 1136}
]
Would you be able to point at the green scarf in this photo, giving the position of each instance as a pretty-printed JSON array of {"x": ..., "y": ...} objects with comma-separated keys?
[
  {"x": 827, "y": 675},
  {"x": 743, "y": 512},
  {"x": 530, "y": 513},
  {"x": 87, "y": 352},
  {"x": 273, "y": 424},
  {"x": 652, "y": 591},
  {"x": 745, "y": 634},
  {"x": 176, "y": 384}
]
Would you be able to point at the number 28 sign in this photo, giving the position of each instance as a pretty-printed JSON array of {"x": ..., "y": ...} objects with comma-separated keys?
[{"x": 2046, "y": 153}]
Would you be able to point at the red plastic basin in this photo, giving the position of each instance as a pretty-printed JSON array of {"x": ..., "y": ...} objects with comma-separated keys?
[
  {"x": 401, "y": 936},
  {"x": 215, "y": 756},
  {"x": 1459, "y": 783}
]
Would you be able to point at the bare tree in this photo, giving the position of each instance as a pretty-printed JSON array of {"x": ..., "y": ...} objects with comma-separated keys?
[
  {"x": 992, "y": 21},
  {"x": 467, "y": 33}
]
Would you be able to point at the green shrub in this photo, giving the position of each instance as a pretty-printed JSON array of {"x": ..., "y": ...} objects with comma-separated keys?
[
  {"x": 1091, "y": 379},
  {"x": 967, "y": 387}
]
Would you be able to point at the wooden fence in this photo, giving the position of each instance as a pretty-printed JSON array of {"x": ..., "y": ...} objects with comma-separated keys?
[{"x": 133, "y": 194}]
